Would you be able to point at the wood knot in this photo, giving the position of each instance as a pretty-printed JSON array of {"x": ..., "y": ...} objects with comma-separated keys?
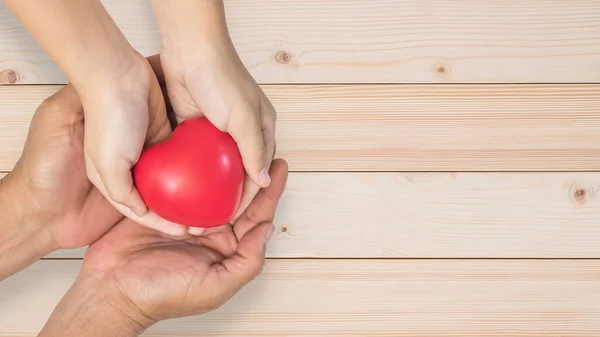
[
  {"x": 581, "y": 193},
  {"x": 283, "y": 229},
  {"x": 9, "y": 77},
  {"x": 283, "y": 57},
  {"x": 442, "y": 70}
]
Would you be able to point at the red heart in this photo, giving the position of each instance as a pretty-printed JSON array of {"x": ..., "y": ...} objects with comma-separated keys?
[{"x": 194, "y": 178}]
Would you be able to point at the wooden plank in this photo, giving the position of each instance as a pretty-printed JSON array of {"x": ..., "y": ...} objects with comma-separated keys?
[
  {"x": 362, "y": 298},
  {"x": 364, "y": 41},
  {"x": 403, "y": 127},
  {"x": 435, "y": 215}
]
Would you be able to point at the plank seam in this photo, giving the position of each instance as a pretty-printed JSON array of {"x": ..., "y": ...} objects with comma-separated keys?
[{"x": 271, "y": 84}]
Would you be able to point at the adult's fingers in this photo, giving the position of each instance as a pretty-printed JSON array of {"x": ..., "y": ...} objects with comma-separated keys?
[
  {"x": 262, "y": 208},
  {"x": 248, "y": 193},
  {"x": 247, "y": 262},
  {"x": 64, "y": 100},
  {"x": 254, "y": 230},
  {"x": 61, "y": 109}
]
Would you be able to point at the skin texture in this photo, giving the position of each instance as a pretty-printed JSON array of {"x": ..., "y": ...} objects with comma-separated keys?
[
  {"x": 47, "y": 202},
  {"x": 21, "y": 240},
  {"x": 204, "y": 76},
  {"x": 133, "y": 277}
]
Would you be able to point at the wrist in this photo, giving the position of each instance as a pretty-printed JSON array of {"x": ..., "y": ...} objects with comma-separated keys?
[
  {"x": 129, "y": 71},
  {"x": 104, "y": 69},
  {"x": 192, "y": 25},
  {"x": 90, "y": 309},
  {"x": 24, "y": 236},
  {"x": 79, "y": 36}
]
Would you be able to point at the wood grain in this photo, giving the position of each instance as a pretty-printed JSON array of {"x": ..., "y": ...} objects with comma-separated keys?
[
  {"x": 360, "y": 41},
  {"x": 431, "y": 215},
  {"x": 403, "y": 127},
  {"x": 362, "y": 298}
]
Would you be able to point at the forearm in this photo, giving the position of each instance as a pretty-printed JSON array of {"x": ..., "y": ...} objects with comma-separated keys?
[
  {"x": 21, "y": 241},
  {"x": 85, "y": 311},
  {"x": 190, "y": 24},
  {"x": 79, "y": 36}
]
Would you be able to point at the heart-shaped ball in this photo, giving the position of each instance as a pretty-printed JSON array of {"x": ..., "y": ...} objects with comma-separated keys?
[{"x": 194, "y": 178}]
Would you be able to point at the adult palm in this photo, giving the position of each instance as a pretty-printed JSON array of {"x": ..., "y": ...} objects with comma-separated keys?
[{"x": 158, "y": 276}]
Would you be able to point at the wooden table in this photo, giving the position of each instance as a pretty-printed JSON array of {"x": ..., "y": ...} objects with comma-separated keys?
[{"x": 434, "y": 190}]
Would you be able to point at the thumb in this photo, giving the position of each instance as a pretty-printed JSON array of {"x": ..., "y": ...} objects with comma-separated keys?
[
  {"x": 247, "y": 133},
  {"x": 117, "y": 182},
  {"x": 248, "y": 261}
]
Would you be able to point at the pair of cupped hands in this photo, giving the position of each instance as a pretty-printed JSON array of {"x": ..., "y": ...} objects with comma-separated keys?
[{"x": 138, "y": 265}]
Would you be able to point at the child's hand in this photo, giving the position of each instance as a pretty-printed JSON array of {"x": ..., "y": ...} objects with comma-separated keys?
[
  {"x": 124, "y": 109},
  {"x": 214, "y": 83},
  {"x": 205, "y": 76}
]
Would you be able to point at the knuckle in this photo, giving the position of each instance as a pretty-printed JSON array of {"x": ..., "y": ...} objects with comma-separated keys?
[
  {"x": 245, "y": 120},
  {"x": 252, "y": 149},
  {"x": 116, "y": 194},
  {"x": 50, "y": 101},
  {"x": 48, "y": 106},
  {"x": 260, "y": 148},
  {"x": 58, "y": 105},
  {"x": 269, "y": 111},
  {"x": 252, "y": 215},
  {"x": 269, "y": 125},
  {"x": 255, "y": 268}
]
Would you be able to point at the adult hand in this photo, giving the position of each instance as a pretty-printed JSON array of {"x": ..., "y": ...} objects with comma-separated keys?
[
  {"x": 141, "y": 276},
  {"x": 53, "y": 168},
  {"x": 50, "y": 176},
  {"x": 46, "y": 201},
  {"x": 52, "y": 202},
  {"x": 205, "y": 76}
]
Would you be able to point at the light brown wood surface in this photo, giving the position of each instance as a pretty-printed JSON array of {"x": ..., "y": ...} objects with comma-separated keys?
[
  {"x": 359, "y": 41},
  {"x": 370, "y": 298},
  {"x": 403, "y": 127},
  {"x": 434, "y": 190},
  {"x": 429, "y": 215}
]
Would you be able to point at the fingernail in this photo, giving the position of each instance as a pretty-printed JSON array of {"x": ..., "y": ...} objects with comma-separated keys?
[
  {"x": 174, "y": 230},
  {"x": 195, "y": 231},
  {"x": 264, "y": 177}
]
